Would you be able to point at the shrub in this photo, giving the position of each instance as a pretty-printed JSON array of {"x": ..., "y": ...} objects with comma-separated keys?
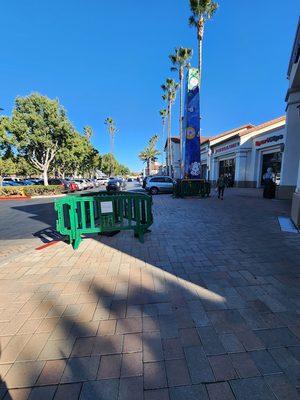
[{"x": 34, "y": 190}]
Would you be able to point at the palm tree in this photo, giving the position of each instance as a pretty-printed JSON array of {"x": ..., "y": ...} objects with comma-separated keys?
[
  {"x": 163, "y": 113},
  {"x": 180, "y": 61},
  {"x": 150, "y": 153},
  {"x": 88, "y": 132},
  {"x": 202, "y": 10},
  {"x": 111, "y": 127},
  {"x": 169, "y": 88}
]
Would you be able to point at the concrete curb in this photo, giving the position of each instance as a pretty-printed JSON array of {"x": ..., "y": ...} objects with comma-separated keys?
[
  {"x": 14, "y": 198},
  {"x": 31, "y": 197},
  {"x": 49, "y": 196}
]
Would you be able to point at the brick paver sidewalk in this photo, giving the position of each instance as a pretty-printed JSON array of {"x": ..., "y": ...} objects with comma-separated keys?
[{"x": 207, "y": 308}]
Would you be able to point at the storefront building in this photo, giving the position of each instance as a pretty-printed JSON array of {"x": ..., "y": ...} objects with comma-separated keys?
[
  {"x": 244, "y": 154},
  {"x": 290, "y": 184},
  {"x": 224, "y": 153}
]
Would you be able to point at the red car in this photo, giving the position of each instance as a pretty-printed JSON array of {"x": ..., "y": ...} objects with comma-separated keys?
[{"x": 73, "y": 187}]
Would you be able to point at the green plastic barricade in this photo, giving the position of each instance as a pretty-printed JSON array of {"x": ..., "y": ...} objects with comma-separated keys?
[
  {"x": 102, "y": 212},
  {"x": 191, "y": 187}
]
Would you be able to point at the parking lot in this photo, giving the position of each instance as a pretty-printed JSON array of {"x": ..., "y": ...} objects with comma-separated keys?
[{"x": 27, "y": 224}]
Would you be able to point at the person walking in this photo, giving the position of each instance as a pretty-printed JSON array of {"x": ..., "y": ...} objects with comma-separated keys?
[{"x": 221, "y": 183}]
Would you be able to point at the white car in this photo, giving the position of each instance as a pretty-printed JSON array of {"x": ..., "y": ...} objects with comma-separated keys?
[
  {"x": 103, "y": 181},
  {"x": 80, "y": 183},
  {"x": 89, "y": 183},
  {"x": 159, "y": 184}
]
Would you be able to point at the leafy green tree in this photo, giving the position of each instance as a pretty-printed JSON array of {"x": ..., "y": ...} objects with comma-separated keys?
[
  {"x": 150, "y": 153},
  {"x": 6, "y": 140},
  {"x": 23, "y": 168},
  {"x": 109, "y": 164},
  {"x": 122, "y": 170},
  {"x": 76, "y": 157},
  {"x": 111, "y": 127},
  {"x": 7, "y": 167},
  {"x": 91, "y": 162},
  {"x": 40, "y": 127},
  {"x": 88, "y": 132},
  {"x": 180, "y": 60},
  {"x": 202, "y": 10},
  {"x": 169, "y": 88}
]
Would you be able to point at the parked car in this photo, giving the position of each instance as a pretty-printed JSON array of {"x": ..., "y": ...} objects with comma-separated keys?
[
  {"x": 95, "y": 182},
  {"x": 80, "y": 183},
  {"x": 103, "y": 181},
  {"x": 60, "y": 182},
  {"x": 7, "y": 179},
  {"x": 116, "y": 185},
  {"x": 159, "y": 184},
  {"x": 26, "y": 182},
  {"x": 10, "y": 183},
  {"x": 73, "y": 187},
  {"x": 39, "y": 182},
  {"x": 88, "y": 183}
]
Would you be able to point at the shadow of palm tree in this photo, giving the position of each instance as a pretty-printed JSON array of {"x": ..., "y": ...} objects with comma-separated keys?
[{"x": 162, "y": 301}]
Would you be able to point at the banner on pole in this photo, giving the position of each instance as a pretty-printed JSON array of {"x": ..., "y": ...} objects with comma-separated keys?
[{"x": 191, "y": 128}]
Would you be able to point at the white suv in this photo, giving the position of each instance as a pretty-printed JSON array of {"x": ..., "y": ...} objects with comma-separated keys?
[{"x": 159, "y": 184}]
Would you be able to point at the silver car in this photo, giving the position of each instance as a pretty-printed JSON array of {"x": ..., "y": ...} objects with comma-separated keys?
[
  {"x": 80, "y": 183},
  {"x": 159, "y": 184}
]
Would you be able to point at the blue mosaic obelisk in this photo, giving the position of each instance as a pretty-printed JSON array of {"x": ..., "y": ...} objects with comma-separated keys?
[{"x": 191, "y": 128}]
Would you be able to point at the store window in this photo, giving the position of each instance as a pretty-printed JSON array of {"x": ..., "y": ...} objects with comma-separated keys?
[
  {"x": 227, "y": 168},
  {"x": 272, "y": 160},
  {"x": 203, "y": 171}
]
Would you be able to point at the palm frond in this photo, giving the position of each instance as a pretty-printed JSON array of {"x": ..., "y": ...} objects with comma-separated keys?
[
  {"x": 202, "y": 9},
  {"x": 192, "y": 21}
]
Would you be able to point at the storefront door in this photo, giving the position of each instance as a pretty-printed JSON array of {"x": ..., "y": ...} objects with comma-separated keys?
[
  {"x": 204, "y": 171},
  {"x": 227, "y": 168},
  {"x": 272, "y": 160}
]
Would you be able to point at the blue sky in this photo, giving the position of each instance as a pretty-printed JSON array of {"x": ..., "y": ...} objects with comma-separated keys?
[{"x": 108, "y": 58}]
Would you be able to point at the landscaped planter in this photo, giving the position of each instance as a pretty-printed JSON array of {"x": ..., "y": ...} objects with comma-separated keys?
[{"x": 26, "y": 192}]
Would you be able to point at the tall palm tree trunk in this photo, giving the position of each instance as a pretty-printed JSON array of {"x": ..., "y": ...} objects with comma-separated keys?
[
  {"x": 200, "y": 39},
  {"x": 169, "y": 140},
  {"x": 112, "y": 143},
  {"x": 163, "y": 141},
  {"x": 180, "y": 117}
]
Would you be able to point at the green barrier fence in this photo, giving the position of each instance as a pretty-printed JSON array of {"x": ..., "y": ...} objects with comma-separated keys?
[
  {"x": 191, "y": 187},
  {"x": 102, "y": 212}
]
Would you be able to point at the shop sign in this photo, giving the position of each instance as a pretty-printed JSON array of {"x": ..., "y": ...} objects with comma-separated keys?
[
  {"x": 225, "y": 148},
  {"x": 274, "y": 138}
]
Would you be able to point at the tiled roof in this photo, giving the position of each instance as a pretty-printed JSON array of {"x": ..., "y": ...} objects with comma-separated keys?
[
  {"x": 263, "y": 125},
  {"x": 243, "y": 127},
  {"x": 204, "y": 139}
]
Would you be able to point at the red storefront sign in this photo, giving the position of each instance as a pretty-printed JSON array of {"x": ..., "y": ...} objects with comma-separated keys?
[
  {"x": 274, "y": 138},
  {"x": 225, "y": 148}
]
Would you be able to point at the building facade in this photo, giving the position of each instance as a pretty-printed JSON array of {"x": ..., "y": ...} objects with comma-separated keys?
[
  {"x": 245, "y": 153},
  {"x": 290, "y": 185},
  {"x": 173, "y": 158},
  {"x": 242, "y": 154}
]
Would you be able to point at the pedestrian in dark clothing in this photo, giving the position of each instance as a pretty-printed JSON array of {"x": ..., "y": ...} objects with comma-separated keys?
[{"x": 221, "y": 183}]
